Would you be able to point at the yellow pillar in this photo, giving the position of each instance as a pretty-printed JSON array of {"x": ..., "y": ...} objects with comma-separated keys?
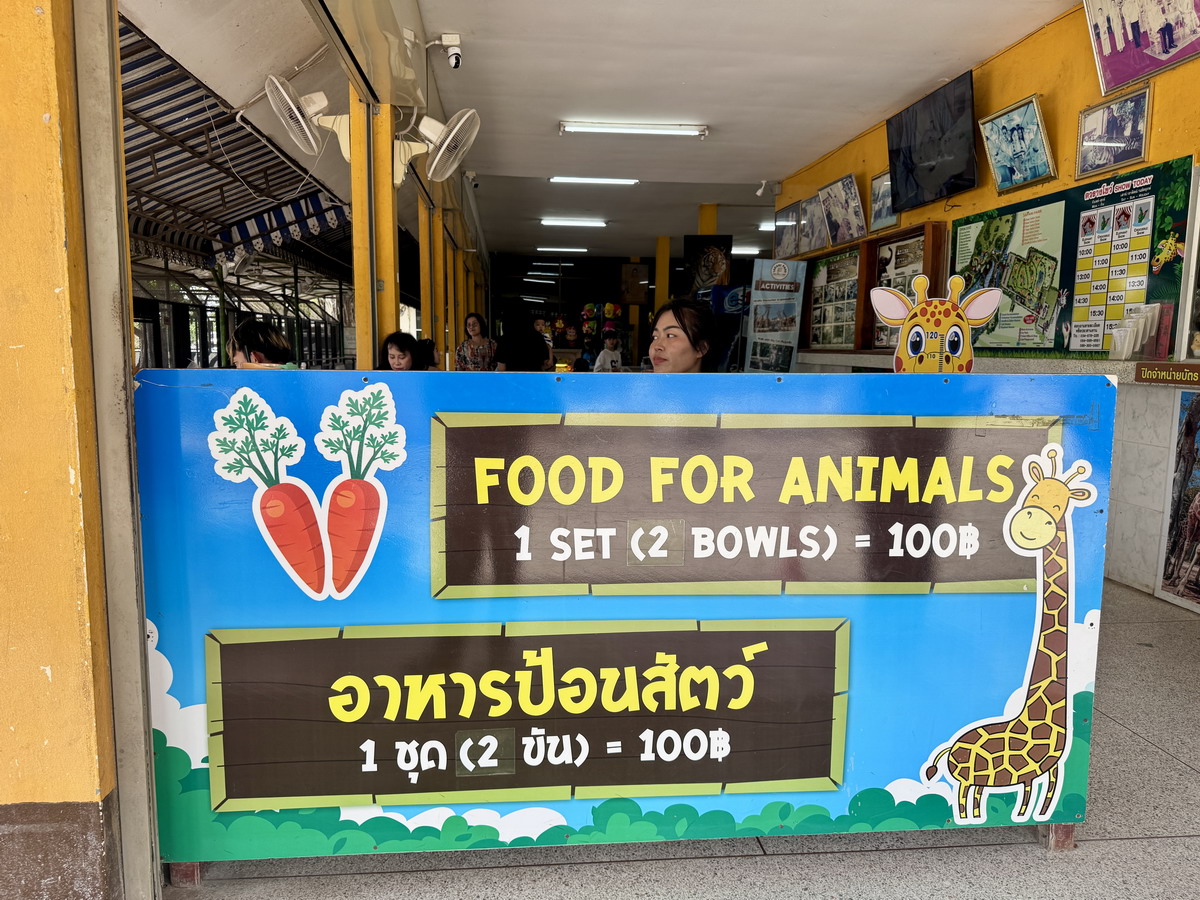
[
  {"x": 707, "y": 219},
  {"x": 361, "y": 200},
  {"x": 662, "y": 271},
  {"x": 425, "y": 253},
  {"x": 56, "y": 742},
  {"x": 437, "y": 235},
  {"x": 387, "y": 226}
]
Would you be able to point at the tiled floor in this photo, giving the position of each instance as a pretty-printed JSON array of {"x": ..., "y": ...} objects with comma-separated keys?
[{"x": 1141, "y": 838}]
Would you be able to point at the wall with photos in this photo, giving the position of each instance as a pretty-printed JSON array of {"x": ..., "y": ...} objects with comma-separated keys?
[{"x": 1056, "y": 62}]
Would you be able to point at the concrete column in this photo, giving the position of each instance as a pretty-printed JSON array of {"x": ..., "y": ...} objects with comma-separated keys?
[{"x": 57, "y": 755}]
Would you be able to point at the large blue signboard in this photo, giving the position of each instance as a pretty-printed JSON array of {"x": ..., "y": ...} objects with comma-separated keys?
[{"x": 411, "y": 611}]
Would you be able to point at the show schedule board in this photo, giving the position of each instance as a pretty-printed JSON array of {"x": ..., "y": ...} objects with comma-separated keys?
[
  {"x": 723, "y": 608},
  {"x": 1071, "y": 263}
]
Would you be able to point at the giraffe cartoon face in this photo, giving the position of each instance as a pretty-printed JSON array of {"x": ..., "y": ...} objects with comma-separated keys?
[
  {"x": 935, "y": 335},
  {"x": 1036, "y": 522}
]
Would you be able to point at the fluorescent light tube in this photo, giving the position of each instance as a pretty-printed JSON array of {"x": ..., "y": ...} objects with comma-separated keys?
[
  {"x": 572, "y": 179},
  {"x": 538, "y": 280},
  {"x": 535, "y": 299},
  {"x": 562, "y": 250},
  {"x": 767, "y": 226},
  {"x": 700, "y": 131},
  {"x": 746, "y": 251},
  {"x": 576, "y": 223},
  {"x": 544, "y": 274}
]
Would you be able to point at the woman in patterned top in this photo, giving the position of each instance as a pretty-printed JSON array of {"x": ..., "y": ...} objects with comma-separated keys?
[{"x": 478, "y": 352}]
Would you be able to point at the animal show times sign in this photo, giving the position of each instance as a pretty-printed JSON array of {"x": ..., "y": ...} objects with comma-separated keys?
[{"x": 445, "y": 611}]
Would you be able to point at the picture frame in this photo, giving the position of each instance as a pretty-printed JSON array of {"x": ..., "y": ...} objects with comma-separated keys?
[
  {"x": 843, "y": 212},
  {"x": 1128, "y": 48},
  {"x": 813, "y": 233},
  {"x": 882, "y": 215},
  {"x": 1017, "y": 149},
  {"x": 787, "y": 231},
  {"x": 1114, "y": 133}
]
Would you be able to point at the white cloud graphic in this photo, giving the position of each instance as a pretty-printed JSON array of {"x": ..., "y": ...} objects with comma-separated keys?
[
  {"x": 185, "y": 727},
  {"x": 529, "y": 822}
]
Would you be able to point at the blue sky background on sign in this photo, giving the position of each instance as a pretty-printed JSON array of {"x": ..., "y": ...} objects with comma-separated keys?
[{"x": 918, "y": 671}]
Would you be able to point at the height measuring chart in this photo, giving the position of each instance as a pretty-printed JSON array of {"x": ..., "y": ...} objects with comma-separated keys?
[
  {"x": 417, "y": 611},
  {"x": 1078, "y": 264}
]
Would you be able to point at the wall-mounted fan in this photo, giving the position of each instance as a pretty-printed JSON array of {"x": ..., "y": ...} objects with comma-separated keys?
[{"x": 446, "y": 144}]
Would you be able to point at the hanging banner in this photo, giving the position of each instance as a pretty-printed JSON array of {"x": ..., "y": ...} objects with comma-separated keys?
[
  {"x": 413, "y": 611},
  {"x": 1078, "y": 265},
  {"x": 776, "y": 295}
]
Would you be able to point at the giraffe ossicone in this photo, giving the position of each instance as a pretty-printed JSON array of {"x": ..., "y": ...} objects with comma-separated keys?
[{"x": 1016, "y": 753}]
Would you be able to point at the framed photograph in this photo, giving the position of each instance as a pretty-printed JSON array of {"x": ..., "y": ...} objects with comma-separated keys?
[
  {"x": 787, "y": 231},
  {"x": 881, "y": 202},
  {"x": 843, "y": 211},
  {"x": 813, "y": 233},
  {"x": 1016, "y": 145},
  {"x": 1113, "y": 134},
  {"x": 1138, "y": 40}
]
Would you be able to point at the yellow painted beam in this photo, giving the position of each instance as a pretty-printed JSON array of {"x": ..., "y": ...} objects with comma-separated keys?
[
  {"x": 662, "y": 271},
  {"x": 360, "y": 204},
  {"x": 437, "y": 241},
  {"x": 56, "y": 706},
  {"x": 707, "y": 223},
  {"x": 387, "y": 226},
  {"x": 425, "y": 253}
]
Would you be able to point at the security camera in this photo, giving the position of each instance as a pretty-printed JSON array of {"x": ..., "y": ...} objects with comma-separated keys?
[
  {"x": 472, "y": 177},
  {"x": 454, "y": 56}
]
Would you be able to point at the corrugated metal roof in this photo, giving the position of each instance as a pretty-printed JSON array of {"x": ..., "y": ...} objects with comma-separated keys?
[{"x": 192, "y": 171}]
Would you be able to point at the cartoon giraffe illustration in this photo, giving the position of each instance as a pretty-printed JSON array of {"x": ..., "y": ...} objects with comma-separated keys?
[
  {"x": 1168, "y": 248},
  {"x": 935, "y": 335},
  {"x": 1012, "y": 754}
]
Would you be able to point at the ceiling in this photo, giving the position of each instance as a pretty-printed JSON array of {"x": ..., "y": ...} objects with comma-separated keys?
[{"x": 778, "y": 82}]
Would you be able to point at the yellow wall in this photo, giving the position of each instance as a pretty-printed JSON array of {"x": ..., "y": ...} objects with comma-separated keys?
[
  {"x": 55, "y": 713},
  {"x": 1055, "y": 62}
]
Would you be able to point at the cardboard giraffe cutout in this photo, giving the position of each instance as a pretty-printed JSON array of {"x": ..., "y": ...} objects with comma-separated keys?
[
  {"x": 935, "y": 335},
  {"x": 1014, "y": 754}
]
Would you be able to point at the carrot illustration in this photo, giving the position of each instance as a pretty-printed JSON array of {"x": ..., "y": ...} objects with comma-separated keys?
[
  {"x": 353, "y": 514},
  {"x": 252, "y": 443},
  {"x": 292, "y": 528},
  {"x": 360, "y": 433}
]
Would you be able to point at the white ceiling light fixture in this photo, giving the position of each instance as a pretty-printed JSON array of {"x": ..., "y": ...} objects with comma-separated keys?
[
  {"x": 576, "y": 223},
  {"x": 543, "y": 274},
  {"x": 551, "y": 263},
  {"x": 538, "y": 280},
  {"x": 535, "y": 299},
  {"x": 767, "y": 226},
  {"x": 572, "y": 179},
  {"x": 746, "y": 251},
  {"x": 700, "y": 131},
  {"x": 562, "y": 250}
]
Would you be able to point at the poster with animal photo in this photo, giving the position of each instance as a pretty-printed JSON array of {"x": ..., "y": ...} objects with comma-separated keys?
[
  {"x": 1180, "y": 582},
  {"x": 843, "y": 211},
  {"x": 787, "y": 231},
  {"x": 897, "y": 264},
  {"x": 707, "y": 258},
  {"x": 814, "y": 234}
]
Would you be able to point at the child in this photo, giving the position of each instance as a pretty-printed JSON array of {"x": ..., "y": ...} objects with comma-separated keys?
[{"x": 609, "y": 359}]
